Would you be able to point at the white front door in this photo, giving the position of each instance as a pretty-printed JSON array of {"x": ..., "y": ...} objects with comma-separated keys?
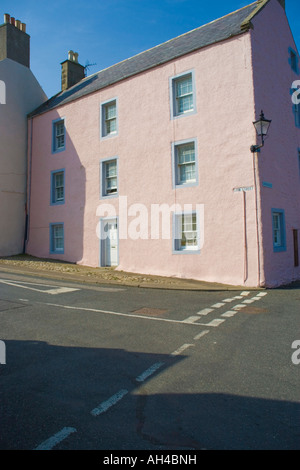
[{"x": 110, "y": 245}]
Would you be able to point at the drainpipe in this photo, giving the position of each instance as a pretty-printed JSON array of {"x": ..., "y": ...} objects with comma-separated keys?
[
  {"x": 245, "y": 240},
  {"x": 28, "y": 182},
  {"x": 257, "y": 219}
]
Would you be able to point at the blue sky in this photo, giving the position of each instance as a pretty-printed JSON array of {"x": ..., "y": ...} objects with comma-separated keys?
[{"x": 105, "y": 32}]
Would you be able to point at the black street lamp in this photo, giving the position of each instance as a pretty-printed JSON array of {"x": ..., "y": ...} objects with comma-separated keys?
[{"x": 261, "y": 126}]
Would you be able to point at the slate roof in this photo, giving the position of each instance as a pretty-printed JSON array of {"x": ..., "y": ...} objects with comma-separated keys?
[{"x": 219, "y": 30}]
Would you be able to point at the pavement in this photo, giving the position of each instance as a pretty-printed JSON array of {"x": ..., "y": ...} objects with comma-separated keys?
[{"x": 49, "y": 268}]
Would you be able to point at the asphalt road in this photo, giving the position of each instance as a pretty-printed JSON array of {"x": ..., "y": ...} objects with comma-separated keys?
[{"x": 122, "y": 368}]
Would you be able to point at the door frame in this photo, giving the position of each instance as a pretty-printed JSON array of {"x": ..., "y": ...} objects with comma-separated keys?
[{"x": 102, "y": 247}]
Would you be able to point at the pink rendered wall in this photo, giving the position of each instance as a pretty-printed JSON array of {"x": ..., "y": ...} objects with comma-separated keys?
[
  {"x": 224, "y": 131},
  {"x": 278, "y": 160}
]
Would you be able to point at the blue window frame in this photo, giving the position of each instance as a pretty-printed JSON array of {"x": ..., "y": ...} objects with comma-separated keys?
[
  {"x": 109, "y": 118},
  {"x": 279, "y": 232},
  {"x": 293, "y": 60},
  {"x": 57, "y": 238},
  {"x": 182, "y": 94},
  {"x": 296, "y": 111},
  {"x": 109, "y": 170},
  {"x": 57, "y": 195},
  {"x": 58, "y": 135},
  {"x": 185, "y": 163}
]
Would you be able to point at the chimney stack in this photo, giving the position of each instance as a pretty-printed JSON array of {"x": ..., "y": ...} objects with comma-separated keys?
[
  {"x": 14, "y": 42},
  {"x": 71, "y": 71}
]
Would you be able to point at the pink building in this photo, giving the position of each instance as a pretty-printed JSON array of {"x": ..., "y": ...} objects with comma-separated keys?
[{"x": 147, "y": 165}]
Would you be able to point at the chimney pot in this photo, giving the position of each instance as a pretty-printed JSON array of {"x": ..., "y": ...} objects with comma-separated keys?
[
  {"x": 14, "y": 42},
  {"x": 23, "y": 27},
  {"x": 71, "y": 71}
]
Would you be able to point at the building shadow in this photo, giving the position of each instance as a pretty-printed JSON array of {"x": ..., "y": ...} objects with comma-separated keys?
[
  {"x": 43, "y": 213},
  {"x": 45, "y": 388}
]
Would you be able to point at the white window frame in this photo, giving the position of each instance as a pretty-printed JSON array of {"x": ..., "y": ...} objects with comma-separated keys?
[
  {"x": 53, "y": 248},
  {"x": 54, "y": 188},
  {"x": 57, "y": 146},
  {"x": 278, "y": 230},
  {"x": 180, "y": 221},
  {"x": 106, "y": 121},
  {"x": 176, "y": 165},
  {"x": 104, "y": 193},
  {"x": 175, "y": 98}
]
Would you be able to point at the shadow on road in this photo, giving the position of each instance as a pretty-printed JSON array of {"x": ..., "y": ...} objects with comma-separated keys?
[{"x": 45, "y": 387}]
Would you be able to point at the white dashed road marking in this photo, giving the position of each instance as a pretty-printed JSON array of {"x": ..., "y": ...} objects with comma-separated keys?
[
  {"x": 181, "y": 349},
  {"x": 205, "y": 311},
  {"x": 191, "y": 320},
  {"x": 56, "y": 439},
  {"x": 215, "y": 322},
  {"x": 229, "y": 313},
  {"x": 149, "y": 371},
  {"x": 104, "y": 406},
  {"x": 203, "y": 333},
  {"x": 239, "y": 306}
]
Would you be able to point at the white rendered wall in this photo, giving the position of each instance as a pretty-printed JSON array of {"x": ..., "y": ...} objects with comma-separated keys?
[{"x": 23, "y": 94}]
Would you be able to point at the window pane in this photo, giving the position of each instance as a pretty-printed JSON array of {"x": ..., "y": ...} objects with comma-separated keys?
[
  {"x": 111, "y": 168},
  {"x": 277, "y": 229},
  {"x": 110, "y": 111},
  {"x": 57, "y": 237},
  {"x": 186, "y": 163},
  {"x": 58, "y": 187},
  {"x": 189, "y": 237},
  {"x": 294, "y": 61},
  {"x": 112, "y": 184},
  {"x": 186, "y": 153},
  {"x": 184, "y": 94},
  {"x": 111, "y": 180},
  {"x": 184, "y": 86},
  {"x": 111, "y": 126},
  {"x": 185, "y": 104},
  {"x": 59, "y": 179},
  {"x": 59, "y": 133},
  {"x": 59, "y": 128}
]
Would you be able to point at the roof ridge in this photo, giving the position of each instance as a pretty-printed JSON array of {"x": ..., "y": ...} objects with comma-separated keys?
[
  {"x": 246, "y": 24},
  {"x": 176, "y": 37},
  {"x": 197, "y": 38}
]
